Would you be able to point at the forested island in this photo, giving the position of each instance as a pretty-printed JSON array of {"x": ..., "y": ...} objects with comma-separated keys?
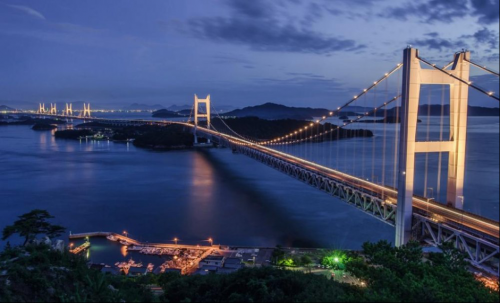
[
  {"x": 262, "y": 129},
  {"x": 165, "y": 113},
  {"x": 146, "y": 136},
  {"x": 27, "y": 120},
  {"x": 43, "y": 126}
]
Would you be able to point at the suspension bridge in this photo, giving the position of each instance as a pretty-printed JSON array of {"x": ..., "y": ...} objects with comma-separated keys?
[{"x": 393, "y": 198}]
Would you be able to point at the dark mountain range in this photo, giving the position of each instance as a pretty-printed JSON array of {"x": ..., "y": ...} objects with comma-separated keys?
[
  {"x": 5, "y": 108},
  {"x": 272, "y": 111}
]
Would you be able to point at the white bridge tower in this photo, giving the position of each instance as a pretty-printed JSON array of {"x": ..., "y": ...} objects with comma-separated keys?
[
  {"x": 86, "y": 111},
  {"x": 53, "y": 109},
  {"x": 197, "y": 114},
  {"x": 69, "y": 109},
  {"x": 413, "y": 77},
  {"x": 41, "y": 108}
]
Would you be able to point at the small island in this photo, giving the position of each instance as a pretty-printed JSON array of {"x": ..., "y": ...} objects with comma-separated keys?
[
  {"x": 27, "y": 120},
  {"x": 74, "y": 134},
  {"x": 43, "y": 126},
  {"x": 145, "y": 136},
  {"x": 165, "y": 113}
]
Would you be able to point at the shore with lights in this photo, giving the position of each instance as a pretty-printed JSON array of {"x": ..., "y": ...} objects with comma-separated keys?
[{"x": 203, "y": 259}]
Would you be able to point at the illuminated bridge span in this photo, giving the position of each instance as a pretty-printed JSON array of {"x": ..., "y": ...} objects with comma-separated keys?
[{"x": 392, "y": 200}]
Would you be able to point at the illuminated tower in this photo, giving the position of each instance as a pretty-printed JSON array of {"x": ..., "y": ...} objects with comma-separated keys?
[
  {"x": 53, "y": 109},
  {"x": 86, "y": 111},
  {"x": 41, "y": 108},
  {"x": 197, "y": 115},
  {"x": 69, "y": 109},
  {"x": 413, "y": 77}
]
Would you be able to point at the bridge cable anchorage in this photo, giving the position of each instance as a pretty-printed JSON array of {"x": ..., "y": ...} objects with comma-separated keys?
[
  {"x": 338, "y": 127},
  {"x": 469, "y": 83},
  {"x": 355, "y": 98},
  {"x": 484, "y": 68}
]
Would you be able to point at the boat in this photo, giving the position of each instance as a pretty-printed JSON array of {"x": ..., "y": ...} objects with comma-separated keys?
[
  {"x": 112, "y": 238},
  {"x": 125, "y": 243}
]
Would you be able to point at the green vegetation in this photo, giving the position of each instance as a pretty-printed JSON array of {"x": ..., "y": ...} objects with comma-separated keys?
[
  {"x": 403, "y": 274},
  {"x": 257, "y": 128},
  {"x": 38, "y": 272},
  {"x": 31, "y": 225}
]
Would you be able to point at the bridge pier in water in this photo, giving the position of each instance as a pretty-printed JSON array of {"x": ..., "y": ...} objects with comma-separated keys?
[{"x": 413, "y": 78}]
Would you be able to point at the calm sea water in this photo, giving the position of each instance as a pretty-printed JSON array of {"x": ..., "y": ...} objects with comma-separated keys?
[{"x": 193, "y": 195}]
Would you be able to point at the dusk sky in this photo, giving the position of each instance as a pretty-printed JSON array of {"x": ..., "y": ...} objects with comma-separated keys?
[{"x": 242, "y": 52}]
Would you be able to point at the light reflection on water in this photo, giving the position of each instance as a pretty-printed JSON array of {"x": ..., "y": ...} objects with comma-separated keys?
[{"x": 193, "y": 195}]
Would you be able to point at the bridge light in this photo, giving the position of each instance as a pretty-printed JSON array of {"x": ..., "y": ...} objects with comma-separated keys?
[
  {"x": 364, "y": 90},
  {"x": 490, "y": 93},
  {"x": 386, "y": 74},
  {"x": 311, "y": 124},
  {"x": 375, "y": 82},
  {"x": 324, "y": 117},
  {"x": 331, "y": 113},
  {"x": 355, "y": 97}
]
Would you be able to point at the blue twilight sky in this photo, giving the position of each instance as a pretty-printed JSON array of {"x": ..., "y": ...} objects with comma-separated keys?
[{"x": 242, "y": 52}]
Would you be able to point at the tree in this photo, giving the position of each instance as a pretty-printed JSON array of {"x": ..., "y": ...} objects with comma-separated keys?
[
  {"x": 31, "y": 225},
  {"x": 306, "y": 261}
]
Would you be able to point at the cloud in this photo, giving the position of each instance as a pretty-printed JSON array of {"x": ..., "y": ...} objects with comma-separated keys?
[
  {"x": 28, "y": 11},
  {"x": 438, "y": 44},
  {"x": 486, "y": 10},
  {"x": 253, "y": 9},
  {"x": 433, "y": 34},
  {"x": 485, "y": 36},
  {"x": 446, "y": 10},
  {"x": 269, "y": 36},
  {"x": 430, "y": 11},
  {"x": 256, "y": 24}
]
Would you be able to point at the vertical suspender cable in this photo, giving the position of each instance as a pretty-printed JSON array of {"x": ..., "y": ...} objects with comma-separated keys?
[
  {"x": 396, "y": 133},
  {"x": 440, "y": 161},
  {"x": 373, "y": 138},
  {"x": 426, "y": 178},
  {"x": 363, "y": 161},
  {"x": 385, "y": 132}
]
